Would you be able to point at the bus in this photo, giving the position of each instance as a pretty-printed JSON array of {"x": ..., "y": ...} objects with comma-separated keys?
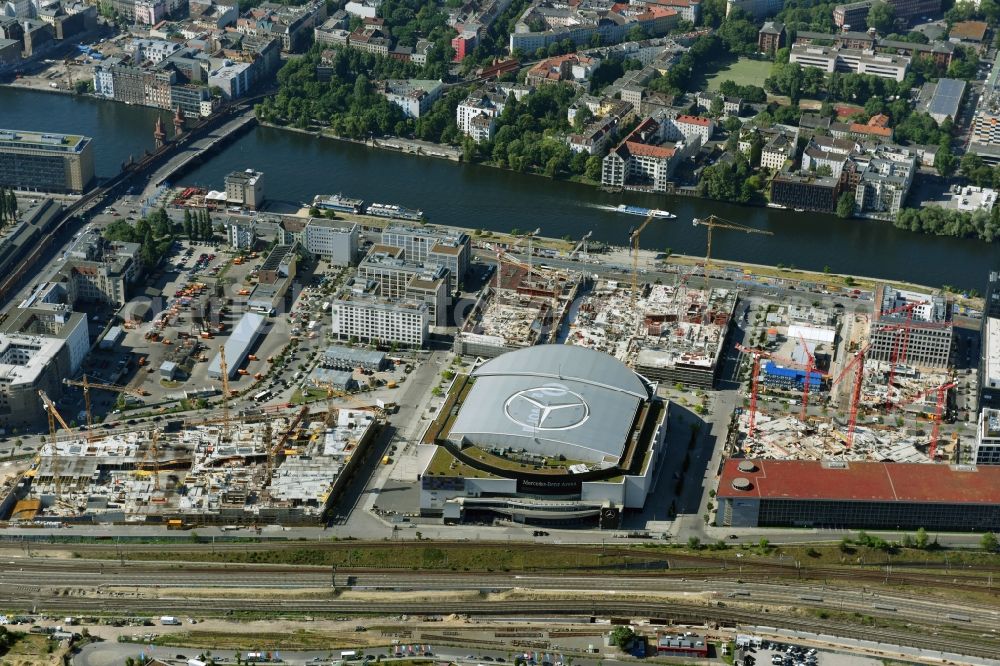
[
  {"x": 262, "y": 396},
  {"x": 349, "y": 655}
]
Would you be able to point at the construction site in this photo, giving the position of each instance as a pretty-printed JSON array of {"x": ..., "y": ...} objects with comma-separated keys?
[
  {"x": 667, "y": 333},
  {"x": 873, "y": 385},
  {"x": 273, "y": 466},
  {"x": 524, "y": 305}
]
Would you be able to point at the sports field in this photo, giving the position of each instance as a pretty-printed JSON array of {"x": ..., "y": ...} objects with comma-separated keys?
[{"x": 744, "y": 71}]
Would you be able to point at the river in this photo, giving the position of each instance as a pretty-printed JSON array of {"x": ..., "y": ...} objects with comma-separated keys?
[{"x": 297, "y": 166}]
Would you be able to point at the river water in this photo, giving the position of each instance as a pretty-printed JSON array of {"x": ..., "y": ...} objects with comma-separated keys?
[{"x": 298, "y": 166}]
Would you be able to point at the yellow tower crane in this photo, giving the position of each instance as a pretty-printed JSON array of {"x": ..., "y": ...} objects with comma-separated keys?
[
  {"x": 715, "y": 222},
  {"x": 224, "y": 371},
  {"x": 54, "y": 415},
  {"x": 634, "y": 242},
  {"x": 87, "y": 385},
  {"x": 152, "y": 458}
]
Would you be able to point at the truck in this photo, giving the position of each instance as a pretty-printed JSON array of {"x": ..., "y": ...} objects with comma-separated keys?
[{"x": 169, "y": 620}]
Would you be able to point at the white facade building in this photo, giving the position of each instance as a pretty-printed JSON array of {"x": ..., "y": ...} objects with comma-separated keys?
[
  {"x": 358, "y": 312},
  {"x": 335, "y": 240}
]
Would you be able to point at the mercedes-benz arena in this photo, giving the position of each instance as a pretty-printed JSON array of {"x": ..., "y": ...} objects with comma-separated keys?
[{"x": 546, "y": 435}]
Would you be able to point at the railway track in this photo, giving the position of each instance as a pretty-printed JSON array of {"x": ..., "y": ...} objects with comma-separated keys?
[{"x": 676, "y": 613}]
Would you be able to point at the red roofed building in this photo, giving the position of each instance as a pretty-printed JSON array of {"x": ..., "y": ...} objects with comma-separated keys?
[
  {"x": 645, "y": 159},
  {"x": 851, "y": 495},
  {"x": 690, "y": 10}
]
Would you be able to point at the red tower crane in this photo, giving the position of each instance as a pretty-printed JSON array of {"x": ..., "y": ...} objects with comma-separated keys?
[
  {"x": 757, "y": 355},
  {"x": 858, "y": 363},
  {"x": 810, "y": 366},
  {"x": 897, "y": 357},
  {"x": 940, "y": 399}
]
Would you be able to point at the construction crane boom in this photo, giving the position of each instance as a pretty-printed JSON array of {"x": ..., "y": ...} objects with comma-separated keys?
[
  {"x": 634, "y": 242},
  {"x": 858, "y": 363},
  {"x": 715, "y": 222},
  {"x": 757, "y": 355},
  {"x": 88, "y": 385},
  {"x": 224, "y": 371},
  {"x": 54, "y": 415}
]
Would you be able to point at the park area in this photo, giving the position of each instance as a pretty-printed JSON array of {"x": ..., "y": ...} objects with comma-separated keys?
[{"x": 744, "y": 71}]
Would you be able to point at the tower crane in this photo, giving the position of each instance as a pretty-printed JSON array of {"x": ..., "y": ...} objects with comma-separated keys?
[
  {"x": 633, "y": 238},
  {"x": 54, "y": 415},
  {"x": 582, "y": 245},
  {"x": 87, "y": 386},
  {"x": 898, "y": 354},
  {"x": 757, "y": 355},
  {"x": 810, "y": 366},
  {"x": 224, "y": 371},
  {"x": 151, "y": 456},
  {"x": 272, "y": 453},
  {"x": 858, "y": 363},
  {"x": 941, "y": 395},
  {"x": 715, "y": 222}
]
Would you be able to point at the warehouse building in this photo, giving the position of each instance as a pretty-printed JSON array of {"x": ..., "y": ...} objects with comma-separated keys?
[
  {"x": 239, "y": 344},
  {"x": 853, "y": 495},
  {"x": 548, "y": 434},
  {"x": 339, "y": 357}
]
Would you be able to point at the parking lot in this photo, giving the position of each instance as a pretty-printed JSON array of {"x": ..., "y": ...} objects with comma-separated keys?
[{"x": 789, "y": 654}]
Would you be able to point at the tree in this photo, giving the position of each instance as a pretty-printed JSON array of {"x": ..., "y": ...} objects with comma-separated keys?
[
  {"x": 921, "y": 541},
  {"x": 881, "y": 17},
  {"x": 989, "y": 542},
  {"x": 694, "y": 543},
  {"x": 845, "y": 206},
  {"x": 622, "y": 636},
  {"x": 945, "y": 160}
]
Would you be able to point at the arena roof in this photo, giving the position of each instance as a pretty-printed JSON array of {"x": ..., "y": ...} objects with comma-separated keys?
[
  {"x": 862, "y": 482},
  {"x": 553, "y": 400}
]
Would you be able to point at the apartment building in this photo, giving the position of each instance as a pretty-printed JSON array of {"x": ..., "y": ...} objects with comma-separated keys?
[
  {"x": 414, "y": 96},
  {"x": 885, "y": 182}
]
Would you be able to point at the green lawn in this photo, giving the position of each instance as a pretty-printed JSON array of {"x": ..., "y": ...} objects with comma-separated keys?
[{"x": 744, "y": 71}]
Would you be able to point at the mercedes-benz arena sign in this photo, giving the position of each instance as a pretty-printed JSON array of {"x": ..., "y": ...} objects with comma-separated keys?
[{"x": 547, "y": 407}]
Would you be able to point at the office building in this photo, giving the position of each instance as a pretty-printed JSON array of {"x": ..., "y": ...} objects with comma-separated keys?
[
  {"x": 987, "y": 446},
  {"x": 855, "y": 14},
  {"x": 45, "y": 162},
  {"x": 989, "y": 347},
  {"x": 805, "y": 191},
  {"x": 242, "y": 233},
  {"x": 359, "y": 313},
  {"x": 858, "y": 495},
  {"x": 856, "y": 61},
  {"x": 334, "y": 240},
  {"x": 430, "y": 245},
  {"x": 398, "y": 278},
  {"x": 929, "y": 321}
]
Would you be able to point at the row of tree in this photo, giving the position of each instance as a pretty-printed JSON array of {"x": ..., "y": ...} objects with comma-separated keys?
[
  {"x": 154, "y": 233},
  {"x": 8, "y": 206},
  {"x": 946, "y": 222},
  {"x": 197, "y": 226}
]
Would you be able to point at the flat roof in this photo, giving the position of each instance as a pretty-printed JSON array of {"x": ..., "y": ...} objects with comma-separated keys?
[
  {"x": 947, "y": 98},
  {"x": 67, "y": 143},
  {"x": 862, "y": 481}
]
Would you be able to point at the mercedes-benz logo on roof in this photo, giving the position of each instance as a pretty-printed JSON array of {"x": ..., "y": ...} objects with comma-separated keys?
[{"x": 548, "y": 407}]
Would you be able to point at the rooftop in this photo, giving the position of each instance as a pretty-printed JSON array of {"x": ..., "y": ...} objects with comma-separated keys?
[
  {"x": 50, "y": 141},
  {"x": 861, "y": 481}
]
